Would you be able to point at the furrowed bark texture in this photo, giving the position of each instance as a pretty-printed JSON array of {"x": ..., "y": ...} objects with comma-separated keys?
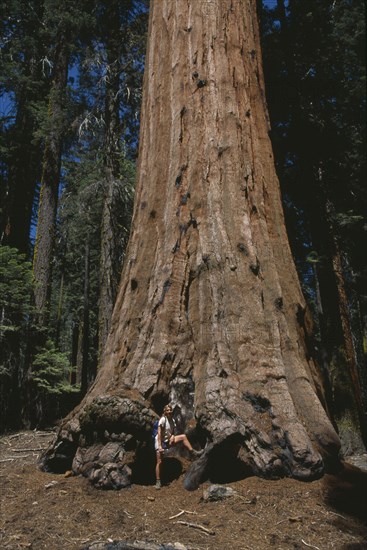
[{"x": 210, "y": 313}]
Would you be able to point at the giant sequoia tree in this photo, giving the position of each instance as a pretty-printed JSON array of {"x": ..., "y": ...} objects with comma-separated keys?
[{"x": 209, "y": 314}]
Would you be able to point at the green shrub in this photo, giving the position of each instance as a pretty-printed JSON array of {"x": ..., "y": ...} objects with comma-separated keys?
[
  {"x": 15, "y": 289},
  {"x": 52, "y": 370}
]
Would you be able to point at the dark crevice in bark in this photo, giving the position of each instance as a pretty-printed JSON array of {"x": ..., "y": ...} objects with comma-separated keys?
[
  {"x": 187, "y": 292},
  {"x": 166, "y": 286},
  {"x": 243, "y": 249},
  {"x": 255, "y": 267},
  {"x": 260, "y": 404},
  {"x": 158, "y": 400},
  {"x": 176, "y": 247}
]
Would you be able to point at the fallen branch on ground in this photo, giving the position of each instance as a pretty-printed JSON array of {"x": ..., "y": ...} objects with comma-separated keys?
[
  {"x": 28, "y": 450},
  {"x": 13, "y": 458},
  {"x": 182, "y": 512},
  {"x": 251, "y": 515},
  {"x": 334, "y": 513},
  {"x": 310, "y": 545},
  {"x": 196, "y": 526},
  {"x": 15, "y": 436},
  {"x": 281, "y": 521},
  {"x": 251, "y": 501}
]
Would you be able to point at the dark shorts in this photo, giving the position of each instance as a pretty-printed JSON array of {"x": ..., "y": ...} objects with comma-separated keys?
[{"x": 164, "y": 446}]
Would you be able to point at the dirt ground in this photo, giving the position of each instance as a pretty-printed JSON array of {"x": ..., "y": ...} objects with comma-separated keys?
[{"x": 46, "y": 511}]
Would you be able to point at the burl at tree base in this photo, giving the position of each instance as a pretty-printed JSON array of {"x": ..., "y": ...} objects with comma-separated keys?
[{"x": 210, "y": 315}]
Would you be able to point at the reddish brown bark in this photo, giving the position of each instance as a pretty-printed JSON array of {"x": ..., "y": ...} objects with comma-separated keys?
[{"x": 210, "y": 314}]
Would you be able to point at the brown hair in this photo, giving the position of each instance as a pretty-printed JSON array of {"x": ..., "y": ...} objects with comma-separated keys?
[{"x": 167, "y": 407}]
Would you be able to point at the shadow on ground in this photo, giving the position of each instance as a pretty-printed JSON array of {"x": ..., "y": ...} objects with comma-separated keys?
[{"x": 346, "y": 491}]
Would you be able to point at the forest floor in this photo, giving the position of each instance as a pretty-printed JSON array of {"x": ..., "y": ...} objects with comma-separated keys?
[{"x": 47, "y": 511}]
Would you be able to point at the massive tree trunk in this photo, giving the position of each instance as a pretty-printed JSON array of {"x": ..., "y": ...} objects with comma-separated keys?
[{"x": 209, "y": 315}]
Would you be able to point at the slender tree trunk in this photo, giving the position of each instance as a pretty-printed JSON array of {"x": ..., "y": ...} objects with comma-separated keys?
[
  {"x": 345, "y": 399},
  {"x": 79, "y": 361},
  {"x": 109, "y": 271},
  {"x": 209, "y": 314},
  {"x": 87, "y": 372},
  {"x": 47, "y": 211},
  {"x": 23, "y": 175},
  {"x": 74, "y": 354},
  {"x": 17, "y": 196},
  {"x": 43, "y": 251},
  {"x": 60, "y": 307},
  {"x": 346, "y": 395},
  {"x": 356, "y": 372}
]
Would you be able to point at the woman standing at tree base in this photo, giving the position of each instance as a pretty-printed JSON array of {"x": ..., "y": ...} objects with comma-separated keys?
[{"x": 166, "y": 438}]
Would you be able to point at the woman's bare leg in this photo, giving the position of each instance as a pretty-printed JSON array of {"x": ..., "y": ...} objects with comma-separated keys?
[
  {"x": 185, "y": 441},
  {"x": 158, "y": 465}
]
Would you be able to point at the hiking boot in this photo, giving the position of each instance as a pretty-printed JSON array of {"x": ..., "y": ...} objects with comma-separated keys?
[
  {"x": 196, "y": 453},
  {"x": 158, "y": 484}
]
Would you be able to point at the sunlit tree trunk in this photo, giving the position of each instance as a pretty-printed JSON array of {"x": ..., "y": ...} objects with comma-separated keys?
[{"x": 209, "y": 314}]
